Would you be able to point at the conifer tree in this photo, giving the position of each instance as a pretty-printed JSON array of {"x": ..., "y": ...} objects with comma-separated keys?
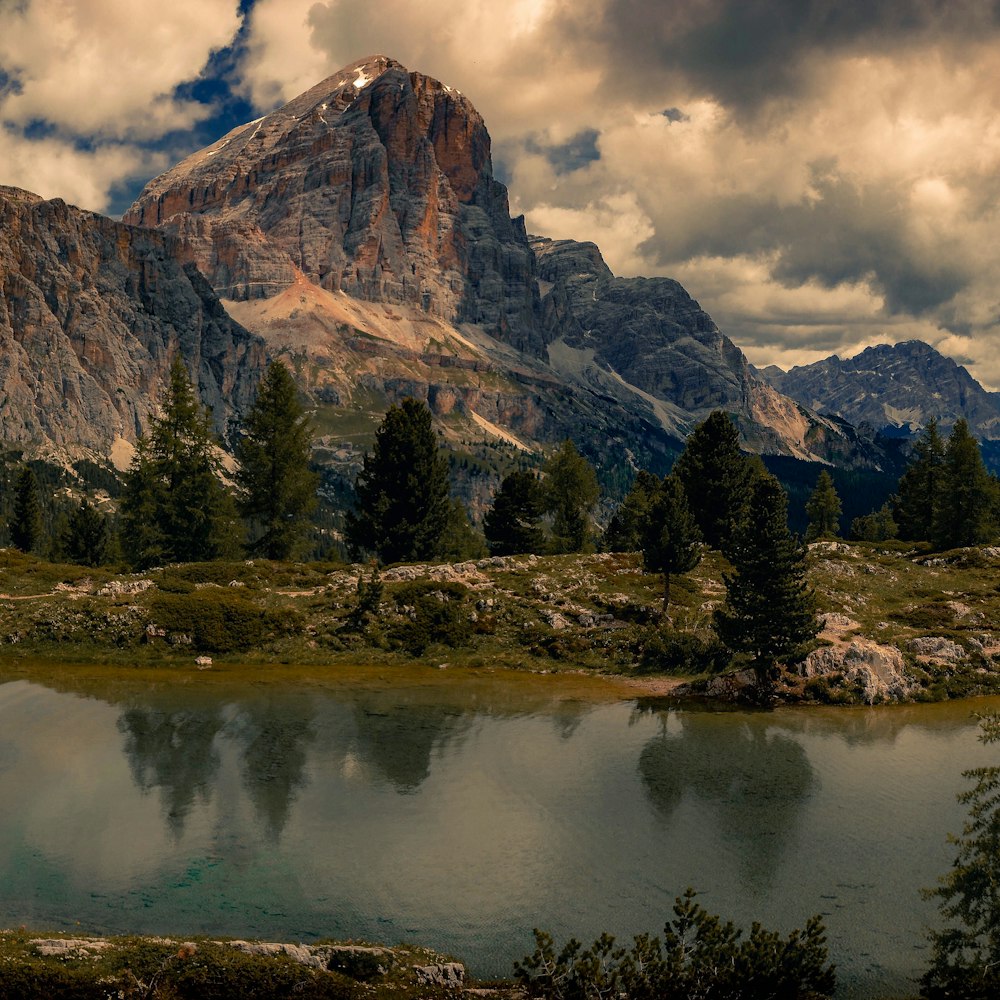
[
  {"x": 625, "y": 530},
  {"x": 671, "y": 537},
  {"x": 571, "y": 491},
  {"x": 26, "y": 525},
  {"x": 878, "y": 526},
  {"x": 965, "y": 508},
  {"x": 769, "y": 611},
  {"x": 918, "y": 495},
  {"x": 823, "y": 509},
  {"x": 460, "y": 541},
  {"x": 174, "y": 507},
  {"x": 513, "y": 523},
  {"x": 715, "y": 476},
  {"x": 87, "y": 538},
  {"x": 402, "y": 489},
  {"x": 277, "y": 489}
]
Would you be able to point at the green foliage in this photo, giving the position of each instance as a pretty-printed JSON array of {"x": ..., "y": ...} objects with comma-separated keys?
[
  {"x": 435, "y": 613},
  {"x": 87, "y": 538},
  {"x": 460, "y": 541},
  {"x": 916, "y": 509},
  {"x": 700, "y": 956},
  {"x": 966, "y": 954},
  {"x": 571, "y": 491},
  {"x": 402, "y": 490},
  {"x": 965, "y": 510},
  {"x": 26, "y": 522},
  {"x": 174, "y": 507},
  {"x": 879, "y": 526},
  {"x": 277, "y": 489},
  {"x": 823, "y": 509},
  {"x": 626, "y": 528},
  {"x": 220, "y": 620},
  {"x": 513, "y": 524},
  {"x": 671, "y": 651},
  {"x": 715, "y": 477},
  {"x": 769, "y": 612},
  {"x": 670, "y": 538}
]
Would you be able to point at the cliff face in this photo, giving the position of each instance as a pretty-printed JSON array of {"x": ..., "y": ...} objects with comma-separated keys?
[
  {"x": 92, "y": 313},
  {"x": 377, "y": 182},
  {"x": 894, "y": 388}
]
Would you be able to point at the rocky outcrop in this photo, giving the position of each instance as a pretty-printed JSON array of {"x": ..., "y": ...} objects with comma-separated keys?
[
  {"x": 92, "y": 313},
  {"x": 893, "y": 387},
  {"x": 377, "y": 182}
]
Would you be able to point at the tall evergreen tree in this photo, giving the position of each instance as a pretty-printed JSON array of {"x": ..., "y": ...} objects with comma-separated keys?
[
  {"x": 174, "y": 506},
  {"x": 277, "y": 489},
  {"x": 918, "y": 495},
  {"x": 823, "y": 509},
  {"x": 513, "y": 523},
  {"x": 87, "y": 538},
  {"x": 625, "y": 530},
  {"x": 402, "y": 489},
  {"x": 769, "y": 611},
  {"x": 571, "y": 491},
  {"x": 965, "y": 509},
  {"x": 460, "y": 541},
  {"x": 26, "y": 524},
  {"x": 878, "y": 526},
  {"x": 671, "y": 537},
  {"x": 715, "y": 476}
]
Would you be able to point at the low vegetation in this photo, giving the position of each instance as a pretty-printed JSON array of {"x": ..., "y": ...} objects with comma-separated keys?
[{"x": 600, "y": 612}]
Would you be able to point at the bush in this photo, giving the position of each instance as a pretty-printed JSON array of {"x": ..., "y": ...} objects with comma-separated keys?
[
  {"x": 435, "y": 613},
  {"x": 670, "y": 652},
  {"x": 220, "y": 621},
  {"x": 700, "y": 956}
]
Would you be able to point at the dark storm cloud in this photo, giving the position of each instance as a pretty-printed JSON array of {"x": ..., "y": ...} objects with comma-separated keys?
[
  {"x": 568, "y": 156},
  {"x": 744, "y": 52}
]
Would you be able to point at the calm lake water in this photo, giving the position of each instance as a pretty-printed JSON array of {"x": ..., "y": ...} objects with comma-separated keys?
[{"x": 460, "y": 814}]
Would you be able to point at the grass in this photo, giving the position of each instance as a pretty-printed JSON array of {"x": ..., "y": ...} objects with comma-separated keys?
[{"x": 597, "y": 613}]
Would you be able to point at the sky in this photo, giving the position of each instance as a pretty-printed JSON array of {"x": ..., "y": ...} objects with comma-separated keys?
[{"x": 822, "y": 175}]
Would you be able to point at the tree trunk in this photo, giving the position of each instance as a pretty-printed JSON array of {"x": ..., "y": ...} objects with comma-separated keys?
[{"x": 666, "y": 593}]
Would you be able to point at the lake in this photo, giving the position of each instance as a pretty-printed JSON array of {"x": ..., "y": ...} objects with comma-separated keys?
[{"x": 459, "y": 811}]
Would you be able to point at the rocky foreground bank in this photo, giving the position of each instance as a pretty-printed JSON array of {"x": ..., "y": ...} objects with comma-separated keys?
[
  {"x": 33, "y": 967},
  {"x": 899, "y": 624}
]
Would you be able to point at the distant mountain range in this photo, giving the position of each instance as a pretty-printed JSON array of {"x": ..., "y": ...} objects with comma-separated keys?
[
  {"x": 358, "y": 233},
  {"x": 895, "y": 389}
]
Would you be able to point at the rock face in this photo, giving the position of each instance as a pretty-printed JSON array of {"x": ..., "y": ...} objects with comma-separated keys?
[
  {"x": 375, "y": 189},
  {"x": 377, "y": 182},
  {"x": 92, "y": 313},
  {"x": 894, "y": 388}
]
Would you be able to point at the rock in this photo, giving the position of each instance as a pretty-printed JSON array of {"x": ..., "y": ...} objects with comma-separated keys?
[
  {"x": 92, "y": 313},
  {"x": 203, "y": 662},
  {"x": 451, "y": 974},
  {"x": 300, "y": 953},
  {"x": 554, "y": 619},
  {"x": 735, "y": 686},
  {"x": 70, "y": 947},
  {"x": 937, "y": 648},
  {"x": 877, "y": 672},
  {"x": 122, "y": 588}
]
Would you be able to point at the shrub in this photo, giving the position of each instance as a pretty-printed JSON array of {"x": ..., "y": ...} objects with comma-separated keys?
[
  {"x": 220, "y": 621},
  {"x": 700, "y": 956},
  {"x": 670, "y": 652},
  {"x": 435, "y": 613}
]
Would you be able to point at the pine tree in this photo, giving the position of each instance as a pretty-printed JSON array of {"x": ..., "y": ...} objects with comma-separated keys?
[
  {"x": 671, "y": 539},
  {"x": 571, "y": 491},
  {"x": 174, "y": 507},
  {"x": 916, "y": 507},
  {"x": 87, "y": 538},
  {"x": 460, "y": 541},
  {"x": 625, "y": 530},
  {"x": 26, "y": 525},
  {"x": 277, "y": 489},
  {"x": 878, "y": 526},
  {"x": 769, "y": 611},
  {"x": 823, "y": 509},
  {"x": 513, "y": 524},
  {"x": 402, "y": 489},
  {"x": 715, "y": 477},
  {"x": 964, "y": 512}
]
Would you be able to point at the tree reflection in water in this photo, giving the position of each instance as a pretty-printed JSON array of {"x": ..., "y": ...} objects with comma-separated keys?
[{"x": 754, "y": 780}]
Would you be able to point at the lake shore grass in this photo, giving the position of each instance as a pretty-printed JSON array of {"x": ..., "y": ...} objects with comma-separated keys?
[{"x": 597, "y": 617}]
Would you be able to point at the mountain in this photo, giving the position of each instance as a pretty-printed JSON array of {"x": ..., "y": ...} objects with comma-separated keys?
[
  {"x": 896, "y": 389},
  {"x": 360, "y": 231},
  {"x": 92, "y": 313}
]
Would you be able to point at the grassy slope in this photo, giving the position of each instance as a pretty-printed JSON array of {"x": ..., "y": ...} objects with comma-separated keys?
[{"x": 592, "y": 612}]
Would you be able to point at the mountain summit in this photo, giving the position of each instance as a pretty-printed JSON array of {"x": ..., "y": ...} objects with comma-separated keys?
[{"x": 361, "y": 226}]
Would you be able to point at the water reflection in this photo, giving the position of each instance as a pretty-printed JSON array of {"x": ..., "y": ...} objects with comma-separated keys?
[
  {"x": 274, "y": 739},
  {"x": 173, "y": 749},
  {"x": 755, "y": 781}
]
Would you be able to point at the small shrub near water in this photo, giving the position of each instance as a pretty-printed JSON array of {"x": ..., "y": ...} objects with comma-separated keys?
[{"x": 434, "y": 613}]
